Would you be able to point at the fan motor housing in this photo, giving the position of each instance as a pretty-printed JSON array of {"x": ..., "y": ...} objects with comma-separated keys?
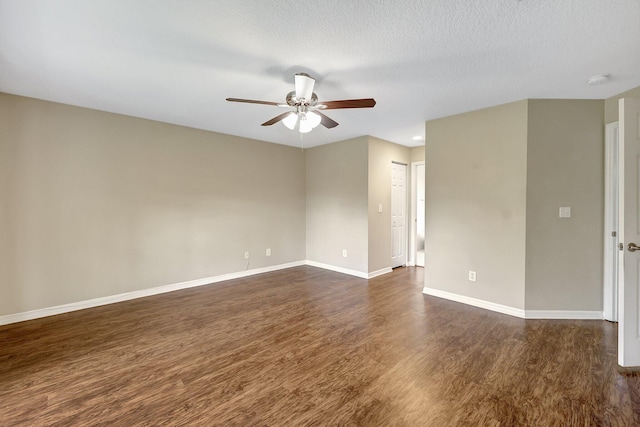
[{"x": 295, "y": 102}]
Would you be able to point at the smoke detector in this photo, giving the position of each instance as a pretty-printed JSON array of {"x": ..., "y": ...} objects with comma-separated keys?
[{"x": 598, "y": 79}]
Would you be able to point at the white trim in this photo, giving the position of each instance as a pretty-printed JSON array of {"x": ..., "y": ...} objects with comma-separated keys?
[
  {"x": 342, "y": 270},
  {"x": 348, "y": 271},
  {"x": 610, "y": 268},
  {"x": 96, "y": 302},
  {"x": 564, "y": 314},
  {"x": 413, "y": 229},
  {"x": 504, "y": 309},
  {"x": 379, "y": 272},
  {"x": 523, "y": 314},
  {"x": 111, "y": 299}
]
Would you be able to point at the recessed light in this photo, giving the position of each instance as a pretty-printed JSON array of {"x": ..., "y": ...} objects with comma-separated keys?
[
  {"x": 418, "y": 138},
  {"x": 598, "y": 79}
]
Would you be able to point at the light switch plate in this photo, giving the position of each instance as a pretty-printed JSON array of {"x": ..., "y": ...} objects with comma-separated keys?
[{"x": 565, "y": 212}]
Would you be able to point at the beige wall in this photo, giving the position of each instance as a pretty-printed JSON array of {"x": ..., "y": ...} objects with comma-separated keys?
[
  {"x": 97, "y": 204},
  {"x": 337, "y": 204},
  {"x": 417, "y": 154},
  {"x": 346, "y": 181},
  {"x": 495, "y": 179},
  {"x": 381, "y": 155},
  {"x": 611, "y": 104},
  {"x": 565, "y": 167},
  {"x": 8, "y": 290},
  {"x": 475, "y": 203}
]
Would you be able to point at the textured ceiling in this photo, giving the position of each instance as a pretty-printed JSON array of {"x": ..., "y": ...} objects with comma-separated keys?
[{"x": 177, "y": 61}]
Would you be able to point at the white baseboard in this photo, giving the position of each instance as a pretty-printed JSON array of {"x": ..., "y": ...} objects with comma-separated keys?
[
  {"x": 564, "y": 314},
  {"x": 96, "y": 302},
  {"x": 111, "y": 299},
  {"x": 81, "y": 305},
  {"x": 504, "y": 309},
  {"x": 342, "y": 270},
  {"x": 348, "y": 271},
  {"x": 379, "y": 272},
  {"x": 524, "y": 314}
]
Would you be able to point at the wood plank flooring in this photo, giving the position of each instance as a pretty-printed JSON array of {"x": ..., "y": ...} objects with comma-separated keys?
[{"x": 309, "y": 347}]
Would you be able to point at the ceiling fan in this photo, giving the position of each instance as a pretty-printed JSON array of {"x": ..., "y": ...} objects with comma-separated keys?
[{"x": 306, "y": 113}]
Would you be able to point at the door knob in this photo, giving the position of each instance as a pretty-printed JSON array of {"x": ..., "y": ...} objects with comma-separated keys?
[{"x": 632, "y": 247}]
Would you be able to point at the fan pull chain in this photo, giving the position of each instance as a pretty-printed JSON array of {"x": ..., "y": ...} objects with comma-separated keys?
[{"x": 302, "y": 141}]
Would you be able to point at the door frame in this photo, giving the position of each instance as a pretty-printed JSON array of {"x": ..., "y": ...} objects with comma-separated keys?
[
  {"x": 611, "y": 231},
  {"x": 413, "y": 227}
]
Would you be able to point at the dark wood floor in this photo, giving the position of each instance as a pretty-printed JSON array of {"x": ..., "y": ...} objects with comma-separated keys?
[{"x": 306, "y": 346}]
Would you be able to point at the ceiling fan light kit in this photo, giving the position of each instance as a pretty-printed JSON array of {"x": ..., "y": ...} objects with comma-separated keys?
[
  {"x": 307, "y": 121},
  {"x": 306, "y": 115},
  {"x": 290, "y": 121}
]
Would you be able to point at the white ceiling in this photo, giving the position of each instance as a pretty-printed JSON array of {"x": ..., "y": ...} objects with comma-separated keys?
[{"x": 176, "y": 61}]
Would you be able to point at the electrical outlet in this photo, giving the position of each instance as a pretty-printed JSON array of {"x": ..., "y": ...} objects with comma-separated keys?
[
  {"x": 344, "y": 253},
  {"x": 268, "y": 252},
  {"x": 246, "y": 255},
  {"x": 472, "y": 276},
  {"x": 565, "y": 212}
]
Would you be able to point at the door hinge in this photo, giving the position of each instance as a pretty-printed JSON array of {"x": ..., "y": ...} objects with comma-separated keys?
[{"x": 614, "y": 234}]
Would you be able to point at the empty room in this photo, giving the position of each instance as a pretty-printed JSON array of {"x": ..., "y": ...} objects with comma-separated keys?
[{"x": 310, "y": 213}]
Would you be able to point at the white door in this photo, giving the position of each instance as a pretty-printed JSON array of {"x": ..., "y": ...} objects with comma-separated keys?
[
  {"x": 398, "y": 215},
  {"x": 629, "y": 223}
]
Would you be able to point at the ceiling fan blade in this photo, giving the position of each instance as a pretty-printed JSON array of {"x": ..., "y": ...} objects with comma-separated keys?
[
  {"x": 348, "y": 103},
  {"x": 276, "y": 119},
  {"x": 326, "y": 121},
  {"x": 253, "y": 101},
  {"x": 304, "y": 86}
]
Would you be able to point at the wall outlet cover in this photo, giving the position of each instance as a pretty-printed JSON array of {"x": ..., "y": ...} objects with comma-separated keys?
[{"x": 565, "y": 212}]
